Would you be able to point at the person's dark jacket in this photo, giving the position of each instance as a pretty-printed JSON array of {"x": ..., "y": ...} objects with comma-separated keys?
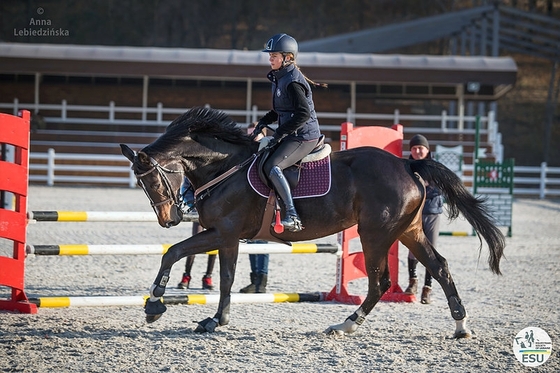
[
  {"x": 434, "y": 198},
  {"x": 293, "y": 105},
  {"x": 434, "y": 201}
]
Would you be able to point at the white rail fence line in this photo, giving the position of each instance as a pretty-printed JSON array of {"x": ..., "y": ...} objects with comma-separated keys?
[
  {"x": 540, "y": 181},
  {"x": 446, "y": 121},
  {"x": 448, "y": 124},
  {"x": 443, "y": 123},
  {"x": 535, "y": 181},
  {"x": 56, "y": 172}
]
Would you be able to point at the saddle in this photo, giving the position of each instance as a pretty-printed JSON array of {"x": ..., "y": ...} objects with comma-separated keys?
[
  {"x": 315, "y": 163},
  {"x": 292, "y": 173}
]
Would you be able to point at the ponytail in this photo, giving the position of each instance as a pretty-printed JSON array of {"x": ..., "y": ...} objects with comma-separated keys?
[{"x": 293, "y": 61}]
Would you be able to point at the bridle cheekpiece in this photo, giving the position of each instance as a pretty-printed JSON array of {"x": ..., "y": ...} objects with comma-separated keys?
[{"x": 162, "y": 171}]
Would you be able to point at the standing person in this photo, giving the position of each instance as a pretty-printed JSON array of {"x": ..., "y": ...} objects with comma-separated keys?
[
  {"x": 187, "y": 205},
  {"x": 259, "y": 271},
  {"x": 259, "y": 262},
  {"x": 298, "y": 128},
  {"x": 433, "y": 207}
]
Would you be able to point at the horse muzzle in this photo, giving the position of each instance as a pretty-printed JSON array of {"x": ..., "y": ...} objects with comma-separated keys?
[{"x": 169, "y": 217}]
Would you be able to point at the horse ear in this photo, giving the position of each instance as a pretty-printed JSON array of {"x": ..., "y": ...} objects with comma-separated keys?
[
  {"x": 143, "y": 157},
  {"x": 127, "y": 152}
]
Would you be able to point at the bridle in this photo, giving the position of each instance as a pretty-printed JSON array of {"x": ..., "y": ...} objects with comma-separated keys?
[
  {"x": 200, "y": 193},
  {"x": 162, "y": 171}
]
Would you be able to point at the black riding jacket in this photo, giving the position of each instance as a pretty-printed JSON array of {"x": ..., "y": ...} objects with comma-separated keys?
[{"x": 292, "y": 101}]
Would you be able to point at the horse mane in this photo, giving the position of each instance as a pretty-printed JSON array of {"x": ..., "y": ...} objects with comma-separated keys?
[
  {"x": 201, "y": 121},
  {"x": 207, "y": 121}
]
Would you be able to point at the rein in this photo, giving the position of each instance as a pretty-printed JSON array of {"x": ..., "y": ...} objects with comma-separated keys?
[
  {"x": 162, "y": 171},
  {"x": 216, "y": 181}
]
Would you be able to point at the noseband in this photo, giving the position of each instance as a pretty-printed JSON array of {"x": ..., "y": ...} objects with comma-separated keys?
[{"x": 162, "y": 171}]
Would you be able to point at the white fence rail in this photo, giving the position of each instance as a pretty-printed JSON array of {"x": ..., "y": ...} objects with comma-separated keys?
[
  {"x": 543, "y": 181},
  {"x": 447, "y": 122},
  {"x": 154, "y": 117},
  {"x": 451, "y": 124},
  {"x": 539, "y": 182},
  {"x": 67, "y": 173}
]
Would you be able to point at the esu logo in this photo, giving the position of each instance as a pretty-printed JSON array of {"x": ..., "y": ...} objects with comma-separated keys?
[{"x": 533, "y": 358}]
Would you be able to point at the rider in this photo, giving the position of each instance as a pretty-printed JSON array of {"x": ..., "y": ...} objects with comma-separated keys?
[{"x": 298, "y": 128}]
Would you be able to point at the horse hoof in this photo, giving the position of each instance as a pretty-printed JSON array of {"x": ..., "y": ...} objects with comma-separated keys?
[
  {"x": 334, "y": 332},
  {"x": 462, "y": 334},
  {"x": 207, "y": 325},
  {"x": 154, "y": 310},
  {"x": 151, "y": 318}
]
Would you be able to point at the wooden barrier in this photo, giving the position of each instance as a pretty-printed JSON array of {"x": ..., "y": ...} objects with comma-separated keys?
[
  {"x": 351, "y": 265},
  {"x": 14, "y": 179}
]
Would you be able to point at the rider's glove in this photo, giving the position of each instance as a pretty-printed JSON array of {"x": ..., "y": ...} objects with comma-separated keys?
[{"x": 257, "y": 130}]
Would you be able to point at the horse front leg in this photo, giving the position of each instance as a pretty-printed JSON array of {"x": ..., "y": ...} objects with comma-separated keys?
[
  {"x": 199, "y": 243},
  {"x": 228, "y": 262}
]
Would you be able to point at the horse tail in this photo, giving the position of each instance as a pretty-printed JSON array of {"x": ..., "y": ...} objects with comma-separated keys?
[{"x": 460, "y": 200}]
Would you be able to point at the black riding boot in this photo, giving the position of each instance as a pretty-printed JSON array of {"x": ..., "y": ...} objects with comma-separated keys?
[{"x": 291, "y": 220}]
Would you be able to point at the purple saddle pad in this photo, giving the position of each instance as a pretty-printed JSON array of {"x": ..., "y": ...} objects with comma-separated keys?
[{"x": 315, "y": 179}]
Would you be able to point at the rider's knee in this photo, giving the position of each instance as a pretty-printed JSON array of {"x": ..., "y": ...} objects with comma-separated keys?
[{"x": 275, "y": 171}]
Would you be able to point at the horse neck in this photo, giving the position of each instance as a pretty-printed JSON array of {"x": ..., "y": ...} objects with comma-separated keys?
[{"x": 209, "y": 164}]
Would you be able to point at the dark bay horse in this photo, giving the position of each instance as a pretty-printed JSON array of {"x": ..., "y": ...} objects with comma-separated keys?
[{"x": 379, "y": 192}]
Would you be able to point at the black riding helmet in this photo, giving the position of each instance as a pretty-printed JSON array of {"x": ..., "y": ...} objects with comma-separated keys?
[{"x": 282, "y": 43}]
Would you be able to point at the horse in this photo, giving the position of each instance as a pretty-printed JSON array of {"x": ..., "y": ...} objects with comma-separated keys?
[{"x": 381, "y": 193}]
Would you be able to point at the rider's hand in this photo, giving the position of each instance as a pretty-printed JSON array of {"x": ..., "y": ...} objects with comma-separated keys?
[{"x": 257, "y": 130}]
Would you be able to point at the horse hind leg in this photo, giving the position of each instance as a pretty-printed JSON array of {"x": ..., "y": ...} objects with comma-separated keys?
[
  {"x": 378, "y": 283},
  {"x": 350, "y": 325},
  {"x": 458, "y": 311},
  {"x": 437, "y": 266}
]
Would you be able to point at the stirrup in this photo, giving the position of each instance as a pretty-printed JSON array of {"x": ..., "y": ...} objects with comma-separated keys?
[{"x": 292, "y": 223}]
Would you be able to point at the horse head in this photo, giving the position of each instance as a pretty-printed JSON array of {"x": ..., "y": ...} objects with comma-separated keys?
[
  {"x": 200, "y": 144},
  {"x": 160, "y": 182}
]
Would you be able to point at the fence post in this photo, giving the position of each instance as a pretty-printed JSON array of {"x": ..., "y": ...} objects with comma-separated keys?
[
  {"x": 542, "y": 187},
  {"x": 112, "y": 111},
  {"x": 254, "y": 114},
  {"x": 396, "y": 119},
  {"x": 500, "y": 148},
  {"x": 16, "y": 107},
  {"x": 443, "y": 120},
  {"x": 159, "y": 112},
  {"x": 63, "y": 111},
  {"x": 350, "y": 115},
  {"x": 491, "y": 127},
  {"x": 50, "y": 167}
]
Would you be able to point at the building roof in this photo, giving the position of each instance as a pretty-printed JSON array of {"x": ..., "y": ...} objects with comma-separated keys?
[
  {"x": 398, "y": 35},
  {"x": 186, "y": 63}
]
